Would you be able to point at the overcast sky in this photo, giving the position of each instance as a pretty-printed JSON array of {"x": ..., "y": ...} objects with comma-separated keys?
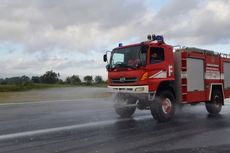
[{"x": 71, "y": 36}]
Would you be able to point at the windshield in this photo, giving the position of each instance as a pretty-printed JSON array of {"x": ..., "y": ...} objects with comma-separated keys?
[{"x": 128, "y": 57}]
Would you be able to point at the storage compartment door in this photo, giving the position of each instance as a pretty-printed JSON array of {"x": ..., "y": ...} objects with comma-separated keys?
[
  {"x": 195, "y": 74},
  {"x": 226, "y": 75}
]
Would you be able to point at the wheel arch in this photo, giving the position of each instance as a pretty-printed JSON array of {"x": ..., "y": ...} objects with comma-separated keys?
[
  {"x": 216, "y": 86},
  {"x": 166, "y": 85}
]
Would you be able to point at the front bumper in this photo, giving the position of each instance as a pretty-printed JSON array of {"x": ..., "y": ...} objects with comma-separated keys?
[
  {"x": 130, "y": 89},
  {"x": 140, "y": 92}
]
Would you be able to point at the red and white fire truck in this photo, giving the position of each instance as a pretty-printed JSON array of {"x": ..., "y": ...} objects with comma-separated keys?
[{"x": 153, "y": 75}]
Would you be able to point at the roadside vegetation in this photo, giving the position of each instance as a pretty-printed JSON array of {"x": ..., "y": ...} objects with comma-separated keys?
[{"x": 50, "y": 79}]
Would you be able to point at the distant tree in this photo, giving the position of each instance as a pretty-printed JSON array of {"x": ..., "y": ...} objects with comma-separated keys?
[
  {"x": 36, "y": 79},
  {"x": 98, "y": 79},
  {"x": 60, "y": 81},
  {"x": 13, "y": 80},
  {"x": 74, "y": 80},
  {"x": 50, "y": 77},
  {"x": 2, "y": 81},
  {"x": 16, "y": 80},
  {"x": 68, "y": 80},
  {"x": 88, "y": 79},
  {"x": 24, "y": 80}
]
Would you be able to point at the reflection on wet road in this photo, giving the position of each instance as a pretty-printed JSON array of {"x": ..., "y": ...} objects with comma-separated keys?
[{"x": 90, "y": 125}]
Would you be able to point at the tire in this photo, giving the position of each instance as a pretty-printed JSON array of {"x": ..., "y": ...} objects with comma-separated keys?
[
  {"x": 121, "y": 105},
  {"x": 215, "y": 105},
  {"x": 163, "y": 107}
]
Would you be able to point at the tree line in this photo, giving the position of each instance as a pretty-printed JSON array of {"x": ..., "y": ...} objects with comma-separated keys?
[{"x": 51, "y": 77}]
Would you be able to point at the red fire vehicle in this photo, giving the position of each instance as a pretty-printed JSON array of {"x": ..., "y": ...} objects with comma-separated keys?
[{"x": 150, "y": 75}]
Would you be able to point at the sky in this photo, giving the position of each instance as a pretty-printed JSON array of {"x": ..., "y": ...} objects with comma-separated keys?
[{"x": 71, "y": 36}]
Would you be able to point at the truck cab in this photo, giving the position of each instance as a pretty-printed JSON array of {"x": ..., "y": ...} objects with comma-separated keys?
[{"x": 139, "y": 73}]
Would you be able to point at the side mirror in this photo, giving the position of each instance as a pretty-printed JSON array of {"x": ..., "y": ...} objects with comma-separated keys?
[{"x": 105, "y": 58}]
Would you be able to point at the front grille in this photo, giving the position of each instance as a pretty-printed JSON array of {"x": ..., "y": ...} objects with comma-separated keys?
[{"x": 124, "y": 80}]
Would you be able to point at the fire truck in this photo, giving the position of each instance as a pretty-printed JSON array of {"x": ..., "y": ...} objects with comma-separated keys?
[{"x": 155, "y": 76}]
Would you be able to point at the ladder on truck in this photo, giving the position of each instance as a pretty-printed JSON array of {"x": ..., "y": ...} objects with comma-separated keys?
[{"x": 201, "y": 51}]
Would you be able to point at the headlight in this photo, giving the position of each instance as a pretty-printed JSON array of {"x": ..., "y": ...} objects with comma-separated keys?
[{"x": 140, "y": 89}]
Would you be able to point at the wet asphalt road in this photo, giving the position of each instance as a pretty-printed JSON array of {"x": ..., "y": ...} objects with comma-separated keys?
[{"x": 91, "y": 126}]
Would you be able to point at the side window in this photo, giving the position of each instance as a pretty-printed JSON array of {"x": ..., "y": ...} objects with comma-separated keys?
[{"x": 156, "y": 55}]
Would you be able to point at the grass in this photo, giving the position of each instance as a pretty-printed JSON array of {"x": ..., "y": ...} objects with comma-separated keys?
[
  {"x": 54, "y": 93},
  {"x": 14, "y": 87}
]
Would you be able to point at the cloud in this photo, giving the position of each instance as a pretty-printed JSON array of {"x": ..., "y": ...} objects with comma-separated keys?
[
  {"x": 37, "y": 66},
  {"x": 70, "y": 25},
  {"x": 70, "y": 35},
  {"x": 194, "y": 22},
  {"x": 86, "y": 25}
]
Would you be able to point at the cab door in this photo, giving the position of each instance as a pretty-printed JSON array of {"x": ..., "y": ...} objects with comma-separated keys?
[{"x": 160, "y": 65}]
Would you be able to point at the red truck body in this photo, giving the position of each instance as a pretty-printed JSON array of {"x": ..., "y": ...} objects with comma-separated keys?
[
  {"x": 214, "y": 68},
  {"x": 191, "y": 75}
]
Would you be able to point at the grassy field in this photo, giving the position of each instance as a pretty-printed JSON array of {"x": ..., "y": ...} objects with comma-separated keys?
[
  {"x": 14, "y": 87},
  {"x": 54, "y": 94}
]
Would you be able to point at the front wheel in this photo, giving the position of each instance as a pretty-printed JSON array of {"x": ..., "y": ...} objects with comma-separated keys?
[
  {"x": 163, "y": 107},
  {"x": 215, "y": 105},
  {"x": 124, "y": 106}
]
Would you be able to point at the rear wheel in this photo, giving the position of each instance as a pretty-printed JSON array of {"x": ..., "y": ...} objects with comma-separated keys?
[
  {"x": 215, "y": 105},
  {"x": 124, "y": 106},
  {"x": 163, "y": 107}
]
